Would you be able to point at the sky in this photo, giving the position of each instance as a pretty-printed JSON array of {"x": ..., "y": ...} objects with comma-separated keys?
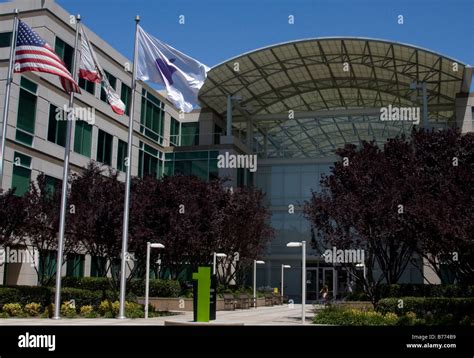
[{"x": 216, "y": 30}]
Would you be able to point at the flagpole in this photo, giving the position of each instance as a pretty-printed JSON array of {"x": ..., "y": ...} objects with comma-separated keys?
[
  {"x": 123, "y": 276},
  {"x": 62, "y": 215},
  {"x": 6, "y": 101}
]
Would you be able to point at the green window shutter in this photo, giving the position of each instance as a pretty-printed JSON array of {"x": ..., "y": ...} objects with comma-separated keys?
[
  {"x": 47, "y": 264},
  {"x": 21, "y": 173},
  {"x": 98, "y": 266},
  {"x": 83, "y": 138},
  {"x": 121, "y": 155},
  {"x": 113, "y": 83},
  {"x": 65, "y": 52},
  {"x": 56, "y": 128},
  {"x": 87, "y": 85},
  {"x": 189, "y": 133},
  {"x": 152, "y": 117},
  {"x": 26, "y": 111},
  {"x": 5, "y": 39},
  {"x": 75, "y": 265},
  {"x": 104, "y": 147},
  {"x": 125, "y": 95}
]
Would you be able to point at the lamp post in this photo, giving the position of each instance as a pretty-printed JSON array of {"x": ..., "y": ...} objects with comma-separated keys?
[
  {"x": 149, "y": 246},
  {"x": 215, "y": 255},
  {"x": 302, "y": 244},
  {"x": 255, "y": 262},
  {"x": 362, "y": 264},
  {"x": 283, "y": 267}
]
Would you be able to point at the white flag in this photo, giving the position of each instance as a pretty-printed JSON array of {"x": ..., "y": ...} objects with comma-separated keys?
[
  {"x": 160, "y": 63},
  {"x": 90, "y": 69}
]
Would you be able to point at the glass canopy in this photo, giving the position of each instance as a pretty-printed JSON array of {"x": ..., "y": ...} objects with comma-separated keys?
[{"x": 307, "y": 98}]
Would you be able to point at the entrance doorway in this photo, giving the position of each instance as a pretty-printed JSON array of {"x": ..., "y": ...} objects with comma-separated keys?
[{"x": 317, "y": 278}]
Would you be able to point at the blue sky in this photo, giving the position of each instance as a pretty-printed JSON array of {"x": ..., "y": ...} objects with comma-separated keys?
[{"x": 216, "y": 30}]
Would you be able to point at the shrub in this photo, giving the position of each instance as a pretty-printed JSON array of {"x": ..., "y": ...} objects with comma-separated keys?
[
  {"x": 434, "y": 310},
  {"x": 12, "y": 309},
  {"x": 4, "y": 315},
  {"x": 68, "y": 310},
  {"x": 87, "y": 311},
  {"x": 132, "y": 309},
  {"x": 425, "y": 290},
  {"x": 158, "y": 288},
  {"x": 353, "y": 317},
  {"x": 33, "y": 309},
  {"x": 39, "y": 294},
  {"x": 81, "y": 297},
  {"x": 88, "y": 283},
  {"x": 8, "y": 294}
]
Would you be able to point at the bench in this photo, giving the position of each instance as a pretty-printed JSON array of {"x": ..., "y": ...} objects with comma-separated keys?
[
  {"x": 269, "y": 299},
  {"x": 243, "y": 301},
  {"x": 229, "y": 301}
]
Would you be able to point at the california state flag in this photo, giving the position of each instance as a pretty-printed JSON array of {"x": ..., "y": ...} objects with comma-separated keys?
[{"x": 90, "y": 69}]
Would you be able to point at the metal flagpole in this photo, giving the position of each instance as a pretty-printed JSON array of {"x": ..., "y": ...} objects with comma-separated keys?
[
  {"x": 62, "y": 215},
  {"x": 6, "y": 101},
  {"x": 123, "y": 276}
]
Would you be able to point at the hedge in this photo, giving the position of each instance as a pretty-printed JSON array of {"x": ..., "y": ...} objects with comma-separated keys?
[
  {"x": 416, "y": 290},
  {"x": 8, "y": 295},
  {"x": 81, "y": 297},
  {"x": 25, "y": 295},
  {"x": 425, "y": 290},
  {"x": 353, "y": 317},
  {"x": 433, "y": 309},
  {"x": 158, "y": 288},
  {"x": 88, "y": 283},
  {"x": 136, "y": 287}
]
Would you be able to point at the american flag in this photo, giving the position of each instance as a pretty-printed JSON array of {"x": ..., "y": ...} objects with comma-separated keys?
[{"x": 34, "y": 54}]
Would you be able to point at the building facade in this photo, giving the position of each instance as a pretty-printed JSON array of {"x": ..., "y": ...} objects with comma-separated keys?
[{"x": 291, "y": 104}]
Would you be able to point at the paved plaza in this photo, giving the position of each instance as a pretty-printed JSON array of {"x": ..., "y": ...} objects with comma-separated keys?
[{"x": 261, "y": 316}]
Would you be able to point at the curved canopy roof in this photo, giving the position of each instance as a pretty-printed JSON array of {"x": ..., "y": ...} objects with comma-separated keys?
[{"x": 335, "y": 86}]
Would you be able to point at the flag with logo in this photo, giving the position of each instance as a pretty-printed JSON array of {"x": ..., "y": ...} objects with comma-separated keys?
[
  {"x": 35, "y": 55},
  {"x": 90, "y": 69},
  {"x": 160, "y": 63}
]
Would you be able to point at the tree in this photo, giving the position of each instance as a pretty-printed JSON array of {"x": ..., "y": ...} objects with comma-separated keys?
[
  {"x": 363, "y": 206},
  {"x": 41, "y": 227},
  {"x": 12, "y": 217},
  {"x": 445, "y": 204},
  {"x": 243, "y": 230},
  {"x": 96, "y": 222}
]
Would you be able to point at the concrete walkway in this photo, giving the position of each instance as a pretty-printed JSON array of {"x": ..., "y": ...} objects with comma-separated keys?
[{"x": 266, "y": 316}]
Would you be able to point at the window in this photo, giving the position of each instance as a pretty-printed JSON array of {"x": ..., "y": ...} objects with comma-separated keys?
[
  {"x": 21, "y": 173},
  {"x": 126, "y": 97},
  {"x": 113, "y": 83},
  {"x": 202, "y": 164},
  {"x": 152, "y": 116},
  {"x": 47, "y": 264},
  {"x": 83, "y": 138},
  {"x": 217, "y": 134},
  {"x": 174, "y": 132},
  {"x": 25, "y": 124},
  {"x": 98, "y": 266},
  {"x": 87, "y": 85},
  {"x": 52, "y": 184},
  {"x": 104, "y": 147},
  {"x": 190, "y": 133},
  {"x": 5, "y": 39},
  {"x": 75, "y": 265},
  {"x": 149, "y": 163},
  {"x": 56, "y": 127},
  {"x": 64, "y": 51},
  {"x": 121, "y": 155}
]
